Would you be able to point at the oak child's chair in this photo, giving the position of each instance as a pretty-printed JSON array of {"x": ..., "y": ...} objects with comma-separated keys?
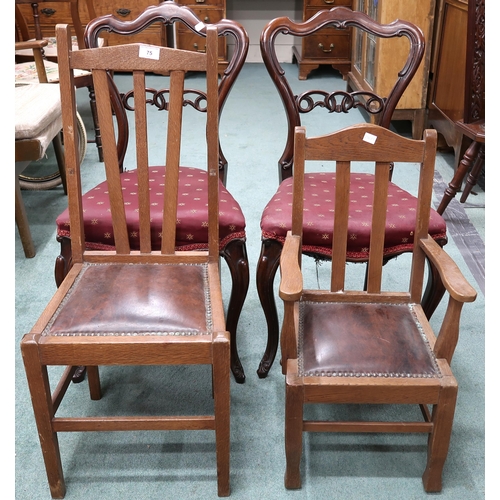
[
  {"x": 191, "y": 233},
  {"x": 135, "y": 307},
  {"x": 276, "y": 217},
  {"x": 348, "y": 346}
]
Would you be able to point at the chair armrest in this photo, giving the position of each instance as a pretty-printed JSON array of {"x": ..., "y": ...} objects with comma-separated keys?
[
  {"x": 36, "y": 45},
  {"x": 31, "y": 44},
  {"x": 460, "y": 291},
  {"x": 291, "y": 274},
  {"x": 453, "y": 280}
]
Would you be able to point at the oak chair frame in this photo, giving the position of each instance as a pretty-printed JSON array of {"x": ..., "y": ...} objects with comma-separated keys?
[
  {"x": 234, "y": 252},
  {"x": 339, "y": 364},
  {"x": 53, "y": 341}
]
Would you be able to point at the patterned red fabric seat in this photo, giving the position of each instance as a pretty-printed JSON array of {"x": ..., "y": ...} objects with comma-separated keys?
[
  {"x": 191, "y": 213},
  {"x": 318, "y": 216}
]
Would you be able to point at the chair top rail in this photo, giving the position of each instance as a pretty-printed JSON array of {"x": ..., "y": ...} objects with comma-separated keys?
[{"x": 337, "y": 101}]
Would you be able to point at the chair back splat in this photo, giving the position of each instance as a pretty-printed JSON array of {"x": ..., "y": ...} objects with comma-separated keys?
[
  {"x": 373, "y": 346},
  {"x": 303, "y": 107},
  {"x": 137, "y": 306}
]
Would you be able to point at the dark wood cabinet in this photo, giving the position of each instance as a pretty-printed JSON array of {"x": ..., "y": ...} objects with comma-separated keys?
[
  {"x": 447, "y": 77},
  {"x": 209, "y": 11},
  {"x": 457, "y": 90},
  {"x": 52, "y": 13},
  {"x": 456, "y": 95},
  {"x": 376, "y": 62},
  {"x": 328, "y": 47}
]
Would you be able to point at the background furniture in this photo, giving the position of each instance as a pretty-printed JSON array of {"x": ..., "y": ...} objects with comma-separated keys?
[
  {"x": 375, "y": 62},
  {"x": 135, "y": 308},
  {"x": 329, "y": 46},
  {"x": 457, "y": 89},
  {"x": 82, "y": 76},
  {"x": 38, "y": 122},
  {"x": 52, "y": 13},
  {"x": 209, "y": 11},
  {"x": 192, "y": 212},
  {"x": 276, "y": 218},
  {"x": 374, "y": 347},
  {"x": 447, "y": 79}
]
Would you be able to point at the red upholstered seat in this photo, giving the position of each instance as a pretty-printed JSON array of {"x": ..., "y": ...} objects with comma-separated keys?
[
  {"x": 191, "y": 213},
  {"x": 318, "y": 216}
]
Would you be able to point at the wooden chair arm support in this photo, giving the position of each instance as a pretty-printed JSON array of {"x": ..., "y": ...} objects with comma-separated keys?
[
  {"x": 291, "y": 274},
  {"x": 453, "y": 279},
  {"x": 31, "y": 44},
  {"x": 36, "y": 45}
]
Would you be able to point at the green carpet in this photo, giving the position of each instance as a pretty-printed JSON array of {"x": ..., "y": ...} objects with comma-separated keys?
[{"x": 181, "y": 465}]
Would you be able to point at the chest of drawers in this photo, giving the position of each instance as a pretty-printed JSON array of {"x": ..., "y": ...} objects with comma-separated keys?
[
  {"x": 209, "y": 11},
  {"x": 375, "y": 63},
  {"x": 52, "y": 13},
  {"x": 329, "y": 46}
]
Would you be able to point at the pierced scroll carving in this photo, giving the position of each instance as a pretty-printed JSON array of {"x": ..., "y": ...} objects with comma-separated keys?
[
  {"x": 159, "y": 98},
  {"x": 478, "y": 62},
  {"x": 340, "y": 101}
]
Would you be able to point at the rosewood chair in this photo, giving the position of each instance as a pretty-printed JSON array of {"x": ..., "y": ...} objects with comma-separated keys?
[
  {"x": 135, "y": 307},
  {"x": 35, "y": 28},
  {"x": 277, "y": 215},
  {"x": 191, "y": 233},
  {"x": 368, "y": 347}
]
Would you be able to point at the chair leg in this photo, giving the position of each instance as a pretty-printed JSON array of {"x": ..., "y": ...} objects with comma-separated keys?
[
  {"x": 235, "y": 255},
  {"x": 474, "y": 174},
  {"x": 456, "y": 183},
  {"x": 22, "y": 223},
  {"x": 221, "y": 391},
  {"x": 59, "y": 152},
  {"x": 63, "y": 262},
  {"x": 294, "y": 414},
  {"x": 97, "y": 129},
  {"x": 41, "y": 398},
  {"x": 439, "y": 439},
  {"x": 266, "y": 270},
  {"x": 94, "y": 382},
  {"x": 434, "y": 291}
]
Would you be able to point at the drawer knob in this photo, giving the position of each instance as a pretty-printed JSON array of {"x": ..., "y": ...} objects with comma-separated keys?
[
  {"x": 123, "y": 12},
  {"x": 200, "y": 1},
  {"x": 195, "y": 45},
  {"x": 326, "y": 51},
  {"x": 329, "y": 2},
  {"x": 48, "y": 12}
]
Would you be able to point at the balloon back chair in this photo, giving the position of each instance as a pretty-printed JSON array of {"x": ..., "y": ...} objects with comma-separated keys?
[
  {"x": 191, "y": 233},
  {"x": 135, "y": 306},
  {"x": 346, "y": 346},
  {"x": 277, "y": 215}
]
